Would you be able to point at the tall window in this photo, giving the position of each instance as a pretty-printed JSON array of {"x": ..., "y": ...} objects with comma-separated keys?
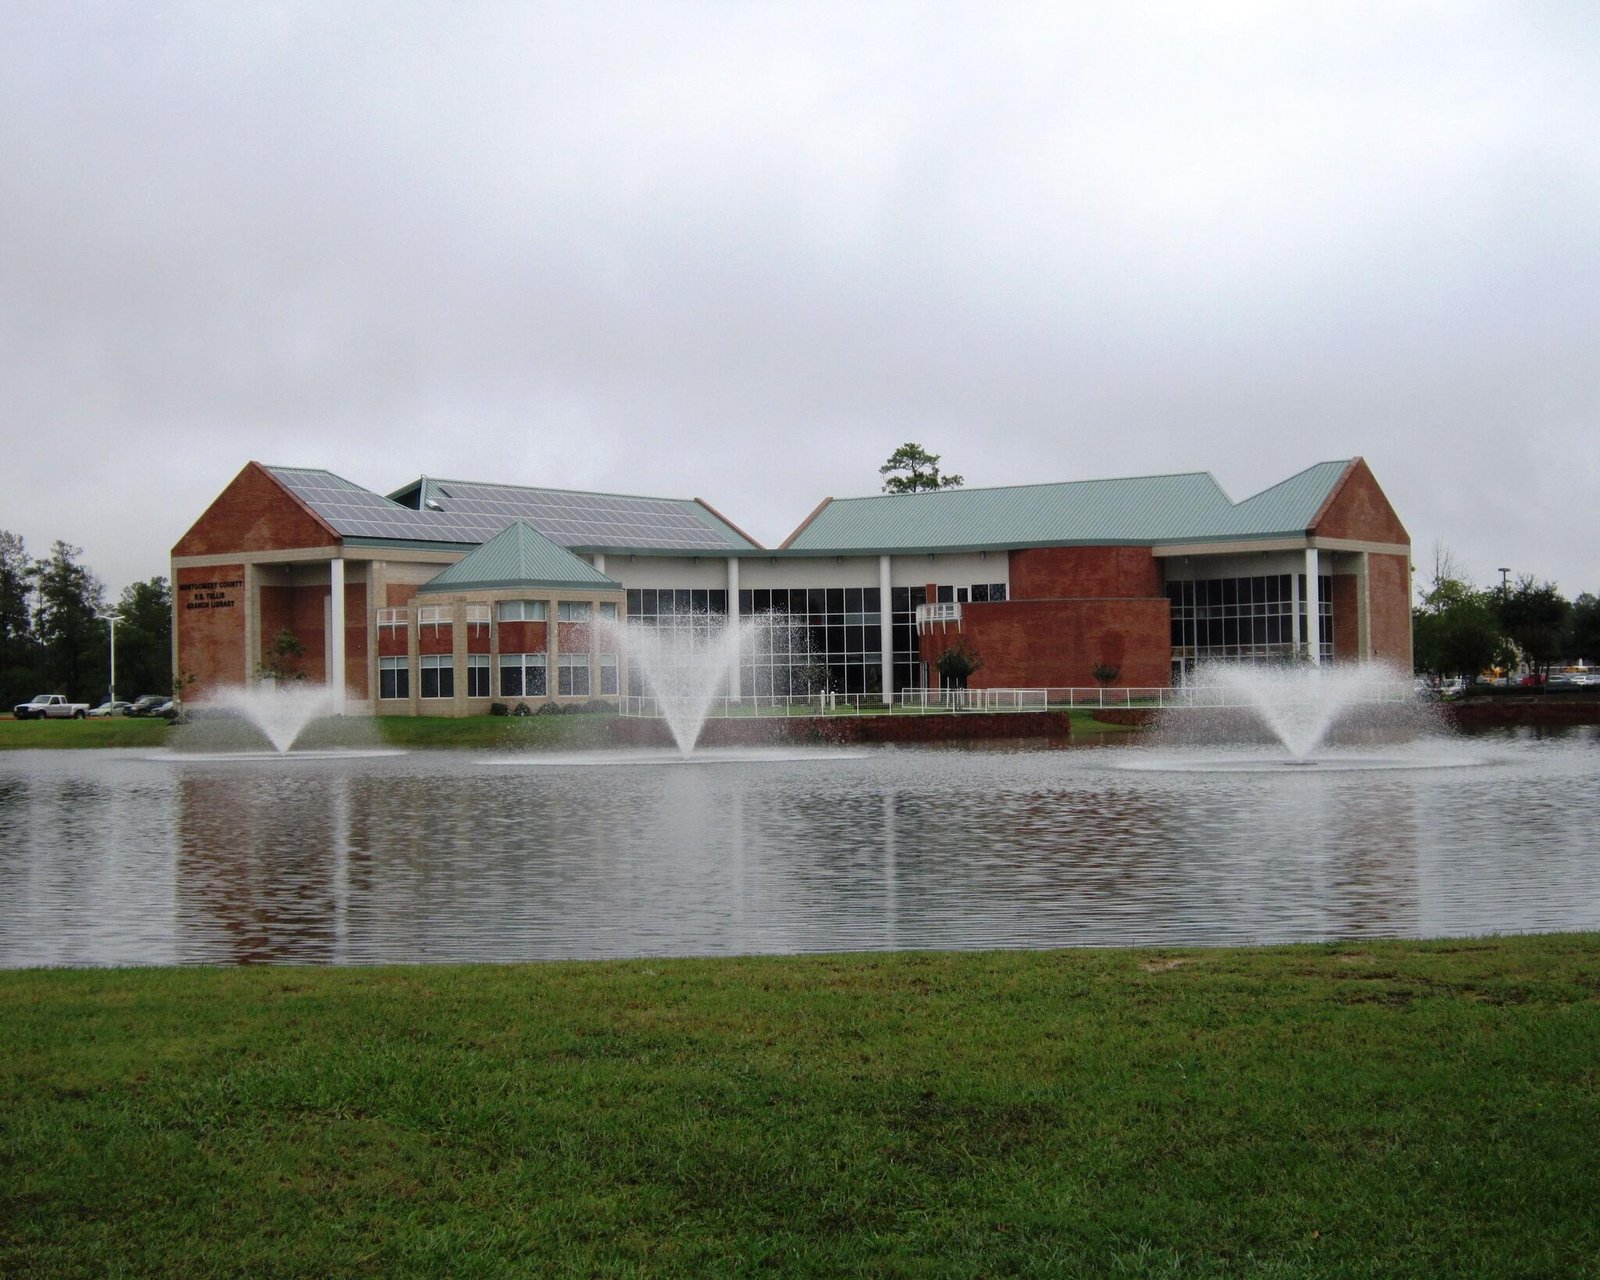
[
  {"x": 574, "y": 675},
  {"x": 522, "y": 675},
  {"x": 438, "y": 676},
  {"x": 521, "y": 610},
  {"x": 813, "y": 639},
  {"x": 1244, "y": 618},
  {"x": 477, "y": 675},
  {"x": 608, "y": 611},
  {"x": 394, "y": 678},
  {"x": 608, "y": 673},
  {"x": 574, "y": 611}
]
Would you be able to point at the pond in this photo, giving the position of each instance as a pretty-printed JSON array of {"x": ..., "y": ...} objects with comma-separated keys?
[{"x": 120, "y": 858}]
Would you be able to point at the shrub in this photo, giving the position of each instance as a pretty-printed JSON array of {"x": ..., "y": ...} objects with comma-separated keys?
[
  {"x": 499, "y": 709},
  {"x": 521, "y": 709}
]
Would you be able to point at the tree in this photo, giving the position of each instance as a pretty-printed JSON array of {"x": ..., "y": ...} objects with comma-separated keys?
[
  {"x": 283, "y": 659},
  {"x": 1534, "y": 615},
  {"x": 911, "y": 469},
  {"x": 20, "y": 658},
  {"x": 1105, "y": 673},
  {"x": 1582, "y": 638},
  {"x": 66, "y": 620},
  {"x": 144, "y": 637},
  {"x": 957, "y": 663},
  {"x": 1456, "y": 627}
]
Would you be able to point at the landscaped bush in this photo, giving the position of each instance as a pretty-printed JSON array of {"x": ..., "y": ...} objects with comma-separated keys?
[
  {"x": 499, "y": 709},
  {"x": 522, "y": 709}
]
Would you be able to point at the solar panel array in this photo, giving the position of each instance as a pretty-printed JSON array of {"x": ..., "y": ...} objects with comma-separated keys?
[{"x": 471, "y": 512}]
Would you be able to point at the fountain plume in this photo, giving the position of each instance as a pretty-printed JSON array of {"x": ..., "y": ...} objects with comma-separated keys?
[{"x": 279, "y": 710}]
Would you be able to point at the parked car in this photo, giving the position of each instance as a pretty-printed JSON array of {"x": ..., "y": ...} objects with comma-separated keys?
[
  {"x": 117, "y": 708},
  {"x": 50, "y": 706},
  {"x": 146, "y": 703}
]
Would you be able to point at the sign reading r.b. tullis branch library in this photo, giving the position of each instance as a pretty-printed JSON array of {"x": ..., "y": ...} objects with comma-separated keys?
[{"x": 210, "y": 595}]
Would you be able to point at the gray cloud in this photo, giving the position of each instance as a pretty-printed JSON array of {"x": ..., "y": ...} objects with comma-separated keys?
[{"x": 742, "y": 252}]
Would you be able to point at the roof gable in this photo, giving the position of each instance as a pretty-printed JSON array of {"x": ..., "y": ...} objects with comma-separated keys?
[
  {"x": 520, "y": 556},
  {"x": 256, "y": 512}
]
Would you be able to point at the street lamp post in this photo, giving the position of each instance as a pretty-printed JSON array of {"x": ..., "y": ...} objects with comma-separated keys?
[{"x": 111, "y": 621}]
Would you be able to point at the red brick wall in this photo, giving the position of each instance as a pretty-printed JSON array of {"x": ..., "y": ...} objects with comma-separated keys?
[
  {"x": 307, "y": 620},
  {"x": 1346, "y": 629},
  {"x": 277, "y": 614},
  {"x": 254, "y": 513},
  {"x": 210, "y": 638},
  {"x": 355, "y": 639},
  {"x": 478, "y": 637},
  {"x": 1065, "y": 573},
  {"x": 1389, "y": 581},
  {"x": 524, "y": 637},
  {"x": 434, "y": 638},
  {"x": 1057, "y": 643},
  {"x": 573, "y": 637},
  {"x": 393, "y": 642},
  {"x": 1359, "y": 510}
]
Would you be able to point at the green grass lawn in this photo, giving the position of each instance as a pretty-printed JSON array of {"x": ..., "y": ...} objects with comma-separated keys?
[
  {"x": 563, "y": 732},
  {"x": 1352, "y": 1110},
  {"x": 111, "y": 731}
]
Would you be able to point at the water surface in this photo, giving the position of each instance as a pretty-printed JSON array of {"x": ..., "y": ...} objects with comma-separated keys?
[{"x": 142, "y": 858}]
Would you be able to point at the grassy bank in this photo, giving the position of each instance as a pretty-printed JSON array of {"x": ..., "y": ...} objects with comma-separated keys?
[
  {"x": 1354, "y": 1110},
  {"x": 111, "y": 731},
  {"x": 524, "y": 733}
]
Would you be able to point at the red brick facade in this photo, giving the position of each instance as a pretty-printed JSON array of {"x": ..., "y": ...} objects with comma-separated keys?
[
  {"x": 209, "y": 603},
  {"x": 1070, "y": 610},
  {"x": 1389, "y": 587},
  {"x": 1058, "y": 643},
  {"x": 1357, "y": 510},
  {"x": 1082, "y": 573},
  {"x": 254, "y": 513}
]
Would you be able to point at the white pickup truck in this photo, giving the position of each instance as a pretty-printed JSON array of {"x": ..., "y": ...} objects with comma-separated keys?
[{"x": 50, "y": 706}]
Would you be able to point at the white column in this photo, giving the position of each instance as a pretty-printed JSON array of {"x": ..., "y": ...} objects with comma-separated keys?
[
  {"x": 252, "y": 622},
  {"x": 736, "y": 679},
  {"x": 1297, "y": 613},
  {"x": 1313, "y": 613},
  {"x": 886, "y": 630},
  {"x": 336, "y": 679}
]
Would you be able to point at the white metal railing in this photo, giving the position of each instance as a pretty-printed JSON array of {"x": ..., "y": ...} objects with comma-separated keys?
[
  {"x": 928, "y": 614},
  {"x": 392, "y": 617},
  {"x": 953, "y": 701}
]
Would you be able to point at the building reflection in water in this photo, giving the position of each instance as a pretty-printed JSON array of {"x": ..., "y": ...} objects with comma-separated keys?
[
  {"x": 262, "y": 865},
  {"x": 438, "y": 857}
]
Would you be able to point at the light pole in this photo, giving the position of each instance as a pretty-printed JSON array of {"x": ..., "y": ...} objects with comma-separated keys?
[
  {"x": 112, "y": 619},
  {"x": 1505, "y": 582}
]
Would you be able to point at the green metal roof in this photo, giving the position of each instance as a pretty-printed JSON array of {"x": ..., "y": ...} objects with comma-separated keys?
[
  {"x": 1289, "y": 506},
  {"x": 1135, "y": 510},
  {"x": 521, "y": 556}
]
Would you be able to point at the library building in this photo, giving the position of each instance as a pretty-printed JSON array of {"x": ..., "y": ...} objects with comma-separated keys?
[{"x": 444, "y": 597}]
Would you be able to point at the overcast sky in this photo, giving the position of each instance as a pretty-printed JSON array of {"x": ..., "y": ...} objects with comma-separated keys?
[{"x": 741, "y": 251}]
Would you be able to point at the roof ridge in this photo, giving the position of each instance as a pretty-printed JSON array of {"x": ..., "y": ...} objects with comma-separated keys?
[
  {"x": 1304, "y": 471},
  {"x": 543, "y": 488},
  {"x": 1035, "y": 484}
]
